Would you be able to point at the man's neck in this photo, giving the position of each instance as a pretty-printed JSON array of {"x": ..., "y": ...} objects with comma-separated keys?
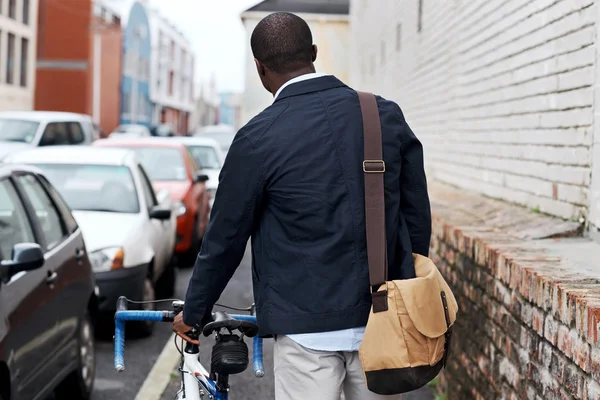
[{"x": 282, "y": 79}]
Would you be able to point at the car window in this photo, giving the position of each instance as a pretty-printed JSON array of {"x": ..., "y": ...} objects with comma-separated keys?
[
  {"x": 100, "y": 188},
  {"x": 16, "y": 130},
  {"x": 76, "y": 133},
  {"x": 205, "y": 156},
  {"x": 62, "y": 206},
  {"x": 147, "y": 188},
  {"x": 161, "y": 163},
  {"x": 56, "y": 133},
  {"x": 46, "y": 213},
  {"x": 14, "y": 224},
  {"x": 191, "y": 162}
]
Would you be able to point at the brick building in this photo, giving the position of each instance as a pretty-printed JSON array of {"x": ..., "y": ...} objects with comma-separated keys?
[
  {"x": 79, "y": 60},
  {"x": 503, "y": 95},
  {"x": 17, "y": 53}
]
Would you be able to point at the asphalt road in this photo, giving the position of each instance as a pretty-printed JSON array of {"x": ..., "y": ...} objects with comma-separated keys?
[{"x": 140, "y": 354}]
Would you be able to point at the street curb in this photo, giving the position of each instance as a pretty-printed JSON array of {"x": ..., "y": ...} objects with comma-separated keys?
[{"x": 160, "y": 375}]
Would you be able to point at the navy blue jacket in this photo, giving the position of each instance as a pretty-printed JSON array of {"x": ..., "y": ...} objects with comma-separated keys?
[{"x": 293, "y": 182}]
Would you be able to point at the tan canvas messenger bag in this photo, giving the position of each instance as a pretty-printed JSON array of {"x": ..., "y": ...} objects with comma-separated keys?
[{"x": 407, "y": 338}]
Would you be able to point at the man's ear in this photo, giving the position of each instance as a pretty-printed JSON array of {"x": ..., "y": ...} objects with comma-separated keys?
[
  {"x": 260, "y": 68},
  {"x": 314, "y": 52}
]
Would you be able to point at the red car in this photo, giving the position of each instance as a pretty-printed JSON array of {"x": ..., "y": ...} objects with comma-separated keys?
[{"x": 170, "y": 166}]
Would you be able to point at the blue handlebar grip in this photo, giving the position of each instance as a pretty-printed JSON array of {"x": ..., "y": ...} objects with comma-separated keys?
[
  {"x": 119, "y": 345},
  {"x": 257, "y": 357}
]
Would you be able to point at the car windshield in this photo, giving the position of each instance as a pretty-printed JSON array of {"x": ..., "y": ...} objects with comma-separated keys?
[
  {"x": 161, "y": 163},
  {"x": 223, "y": 138},
  {"x": 205, "y": 156},
  {"x": 107, "y": 188},
  {"x": 17, "y": 130}
]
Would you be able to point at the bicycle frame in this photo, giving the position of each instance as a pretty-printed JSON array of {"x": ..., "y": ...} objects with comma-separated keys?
[{"x": 196, "y": 382}]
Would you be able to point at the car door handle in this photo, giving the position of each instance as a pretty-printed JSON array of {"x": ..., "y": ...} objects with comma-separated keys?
[
  {"x": 79, "y": 253},
  {"x": 51, "y": 278}
]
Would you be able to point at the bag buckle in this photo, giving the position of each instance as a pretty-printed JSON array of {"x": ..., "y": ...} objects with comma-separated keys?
[{"x": 373, "y": 166}]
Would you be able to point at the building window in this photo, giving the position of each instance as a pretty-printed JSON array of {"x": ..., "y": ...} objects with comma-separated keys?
[
  {"x": 172, "y": 50},
  {"x": 420, "y": 16},
  {"x": 26, "y": 12},
  {"x": 171, "y": 82},
  {"x": 10, "y": 60},
  {"x": 12, "y": 9},
  {"x": 24, "y": 57},
  {"x": 398, "y": 37}
]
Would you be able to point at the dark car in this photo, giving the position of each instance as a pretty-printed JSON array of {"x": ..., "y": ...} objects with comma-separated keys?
[{"x": 47, "y": 293}]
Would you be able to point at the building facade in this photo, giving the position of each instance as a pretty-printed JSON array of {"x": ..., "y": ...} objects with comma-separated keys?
[
  {"x": 329, "y": 25},
  {"x": 172, "y": 75},
  {"x": 503, "y": 95},
  {"x": 136, "y": 105},
  {"x": 79, "y": 60},
  {"x": 207, "y": 111},
  {"x": 18, "y": 41},
  {"x": 230, "y": 109}
]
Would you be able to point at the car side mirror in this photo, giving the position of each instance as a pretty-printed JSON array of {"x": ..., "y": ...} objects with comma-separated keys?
[
  {"x": 160, "y": 213},
  {"x": 25, "y": 257},
  {"x": 200, "y": 177}
]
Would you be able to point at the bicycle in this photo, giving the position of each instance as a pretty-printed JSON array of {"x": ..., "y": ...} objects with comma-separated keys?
[{"x": 229, "y": 353}]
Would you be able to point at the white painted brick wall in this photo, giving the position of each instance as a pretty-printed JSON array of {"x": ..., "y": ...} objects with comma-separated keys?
[{"x": 500, "y": 92}]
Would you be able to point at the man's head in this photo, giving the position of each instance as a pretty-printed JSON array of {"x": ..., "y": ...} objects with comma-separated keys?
[{"x": 282, "y": 47}]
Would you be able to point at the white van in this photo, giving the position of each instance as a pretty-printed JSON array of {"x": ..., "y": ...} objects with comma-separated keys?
[{"x": 20, "y": 130}]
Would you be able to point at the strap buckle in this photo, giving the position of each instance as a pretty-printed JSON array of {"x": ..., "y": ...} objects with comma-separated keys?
[{"x": 373, "y": 166}]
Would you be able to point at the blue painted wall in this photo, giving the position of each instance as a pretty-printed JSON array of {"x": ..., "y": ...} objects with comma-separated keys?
[
  {"x": 226, "y": 112},
  {"x": 136, "y": 45}
]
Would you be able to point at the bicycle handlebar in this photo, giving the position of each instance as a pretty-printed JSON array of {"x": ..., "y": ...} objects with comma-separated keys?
[{"x": 122, "y": 315}]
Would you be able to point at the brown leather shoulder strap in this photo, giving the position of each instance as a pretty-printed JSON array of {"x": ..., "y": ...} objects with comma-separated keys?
[{"x": 374, "y": 168}]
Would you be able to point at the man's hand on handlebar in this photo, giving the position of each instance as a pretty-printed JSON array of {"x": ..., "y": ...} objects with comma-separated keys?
[{"x": 182, "y": 330}]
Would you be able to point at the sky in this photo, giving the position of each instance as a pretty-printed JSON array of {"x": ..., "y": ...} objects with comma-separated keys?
[{"x": 214, "y": 29}]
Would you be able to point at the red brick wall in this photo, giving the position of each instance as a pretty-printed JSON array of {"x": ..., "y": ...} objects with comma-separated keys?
[{"x": 528, "y": 321}]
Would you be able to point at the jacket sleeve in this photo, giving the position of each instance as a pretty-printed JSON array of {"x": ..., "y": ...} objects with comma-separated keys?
[
  {"x": 413, "y": 191},
  {"x": 237, "y": 203}
]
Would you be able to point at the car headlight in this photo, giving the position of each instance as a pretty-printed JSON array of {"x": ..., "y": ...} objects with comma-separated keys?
[
  {"x": 179, "y": 208},
  {"x": 107, "y": 259}
]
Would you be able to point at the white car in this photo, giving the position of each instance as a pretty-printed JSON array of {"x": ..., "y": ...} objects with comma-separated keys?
[
  {"x": 131, "y": 130},
  {"x": 208, "y": 155},
  {"x": 222, "y": 133},
  {"x": 21, "y": 130},
  {"x": 129, "y": 233}
]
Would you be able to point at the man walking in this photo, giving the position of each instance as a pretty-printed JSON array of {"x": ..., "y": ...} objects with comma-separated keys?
[{"x": 293, "y": 182}]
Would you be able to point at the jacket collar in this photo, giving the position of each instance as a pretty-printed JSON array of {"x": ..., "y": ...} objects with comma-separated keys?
[{"x": 310, "y": 86}]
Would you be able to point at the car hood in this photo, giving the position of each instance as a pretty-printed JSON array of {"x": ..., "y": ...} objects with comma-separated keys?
[
  {"x": 177, "y": 189},
  {"x": 105, "y": 229},
  {"x": 7, "y": 148}
]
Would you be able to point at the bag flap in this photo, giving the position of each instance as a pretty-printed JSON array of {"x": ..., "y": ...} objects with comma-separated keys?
[{"x": 422, "y": 297}]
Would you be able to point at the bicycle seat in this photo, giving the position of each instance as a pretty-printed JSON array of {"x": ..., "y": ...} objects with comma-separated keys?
[{"x": 223, "y": 320}]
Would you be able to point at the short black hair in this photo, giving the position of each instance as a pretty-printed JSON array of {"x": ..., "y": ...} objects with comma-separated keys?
[{"x": 282, "y": 42}]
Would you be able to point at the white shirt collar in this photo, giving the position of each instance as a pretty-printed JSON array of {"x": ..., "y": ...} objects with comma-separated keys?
[{"x": 297, "y": 79}]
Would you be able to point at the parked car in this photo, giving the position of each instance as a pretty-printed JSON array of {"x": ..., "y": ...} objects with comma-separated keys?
[
  {"x": 171, "y": 166},
  {"x": 130, "y": 235},
  {"x": 208, "y": 156},
  {"x": 131, "y": 130},
  {"x": 162, "y": 130},
  {"x": 20, "y": 130},
  {"x": 48, "y": 299},
  {"x": 222, "y": 133}
]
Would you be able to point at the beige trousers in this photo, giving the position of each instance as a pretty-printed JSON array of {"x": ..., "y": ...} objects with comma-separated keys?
[{"x": 305, "y": 374}]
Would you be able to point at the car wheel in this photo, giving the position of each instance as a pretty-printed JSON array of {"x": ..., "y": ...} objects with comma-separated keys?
[
  {"x": 165, "y": 287},
  {"x": 79, "y": 385},
  {"x": 145, "y": 328}
]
